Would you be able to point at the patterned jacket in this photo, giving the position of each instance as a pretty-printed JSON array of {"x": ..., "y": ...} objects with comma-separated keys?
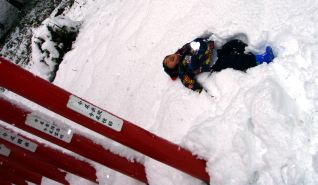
[{"x": 193, "y": 62}]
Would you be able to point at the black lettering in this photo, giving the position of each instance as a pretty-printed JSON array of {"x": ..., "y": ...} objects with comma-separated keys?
[
  {"x": 110, "y": 123},
  {"x": 12, "y": 138},
  {"x": 20, "y": 141}
]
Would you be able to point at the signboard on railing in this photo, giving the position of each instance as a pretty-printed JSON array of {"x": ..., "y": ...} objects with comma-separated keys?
[
  {"x": 95, "y": 113},
  {"x": 18, "y": 140},
  {"x": 4, "y": 150},
  {"x": 50, "y": 128}
]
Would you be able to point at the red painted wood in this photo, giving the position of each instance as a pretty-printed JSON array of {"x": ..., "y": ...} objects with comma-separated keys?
[
  {"x": 7, "y": 177},
  {"x": 53, "y": 157},
  {"x": 54, "y": 98},
  {"x": 16, "y": 115},
  {"x": 32, "y": 164},
  {"x": 16, "y": 173},
  {"x": 6, "y": 182}
]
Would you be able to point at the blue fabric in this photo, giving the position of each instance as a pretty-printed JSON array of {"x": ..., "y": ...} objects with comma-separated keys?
[{"x": 267, "y": 57}]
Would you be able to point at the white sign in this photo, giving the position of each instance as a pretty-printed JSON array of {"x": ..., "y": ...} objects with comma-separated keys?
[
  {"x": 17, "y": 140},
  {"x": 94, "y": 113},
  {"x": 51, "y": 128},
  {"x": 4, "y": 150}
]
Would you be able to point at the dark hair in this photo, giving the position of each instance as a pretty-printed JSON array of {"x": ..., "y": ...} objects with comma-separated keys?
[{"x": 172, "y": 72}]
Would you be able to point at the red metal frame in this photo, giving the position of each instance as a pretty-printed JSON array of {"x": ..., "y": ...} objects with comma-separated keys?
[
  {"x": 7, "y": 177},
  {"x": 32, "y": 164},
  {"x": 14, "y": 172},
  {"x": 8, "y": 182},
  {"x": 56, "y": 158},
  {"x": 16, "y": 115},
  {"x": 55, "y": 98}
]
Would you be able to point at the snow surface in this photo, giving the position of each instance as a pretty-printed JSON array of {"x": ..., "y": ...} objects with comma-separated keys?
[
  {"x": 260, "y": 127},
  {"x": 45, "y": 52}
]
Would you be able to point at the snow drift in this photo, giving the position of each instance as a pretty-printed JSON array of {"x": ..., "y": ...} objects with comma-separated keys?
[{"x": 260, "y": 127}]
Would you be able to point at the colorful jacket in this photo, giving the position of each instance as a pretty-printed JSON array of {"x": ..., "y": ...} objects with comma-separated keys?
[{"x": 193, "y": 62}]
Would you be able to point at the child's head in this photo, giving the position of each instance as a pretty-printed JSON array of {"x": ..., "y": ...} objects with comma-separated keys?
[
  {"x": 170, "y": 65},
  {"x": 171, "y": 61}
]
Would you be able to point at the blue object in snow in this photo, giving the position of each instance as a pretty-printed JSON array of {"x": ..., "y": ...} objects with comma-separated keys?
[{"x": 267, "y": 57}]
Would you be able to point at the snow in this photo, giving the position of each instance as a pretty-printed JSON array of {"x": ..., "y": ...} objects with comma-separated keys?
[
  {"x": 45, "y": 51},
  {"x": 258, "y": 127}
]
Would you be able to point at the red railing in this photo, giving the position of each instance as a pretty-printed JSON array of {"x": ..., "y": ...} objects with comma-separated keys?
[
  {"x": 18, "y": 116},
  {"x": 8, "y": 176},
  {"x": 30, "y": 151},
  {"x": 82, "y": 112},
  {"x": 15, "y": 173},
  {"x": 34, "y": 165}
]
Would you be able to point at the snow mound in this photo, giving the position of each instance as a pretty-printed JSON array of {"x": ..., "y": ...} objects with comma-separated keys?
[
  {"x": 50, "y": 42},
  {"x": 260, "y": 127}
]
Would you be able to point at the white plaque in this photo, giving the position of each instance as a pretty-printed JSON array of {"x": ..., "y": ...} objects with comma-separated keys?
[
  {"x": 49, "y": 127},
  {"x": 17, "y": 140},
  {"x": 95, "y": 113},
  {"x": 4, "y": 150}
]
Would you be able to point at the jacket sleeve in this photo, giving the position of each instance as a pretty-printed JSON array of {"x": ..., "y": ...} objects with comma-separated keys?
[
  {"x": 186, "y": 49},
  {"x": 189, "y": 82}
]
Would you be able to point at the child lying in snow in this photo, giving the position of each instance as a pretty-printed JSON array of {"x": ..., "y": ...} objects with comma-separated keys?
[{"x": 200, "y": 55}]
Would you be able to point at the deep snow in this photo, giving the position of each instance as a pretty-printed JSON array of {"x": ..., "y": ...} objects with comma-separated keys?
[{"x": 260, "y": 127}]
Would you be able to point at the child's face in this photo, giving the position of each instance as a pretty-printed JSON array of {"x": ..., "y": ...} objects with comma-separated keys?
[{"x": 172, "y": 61}]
